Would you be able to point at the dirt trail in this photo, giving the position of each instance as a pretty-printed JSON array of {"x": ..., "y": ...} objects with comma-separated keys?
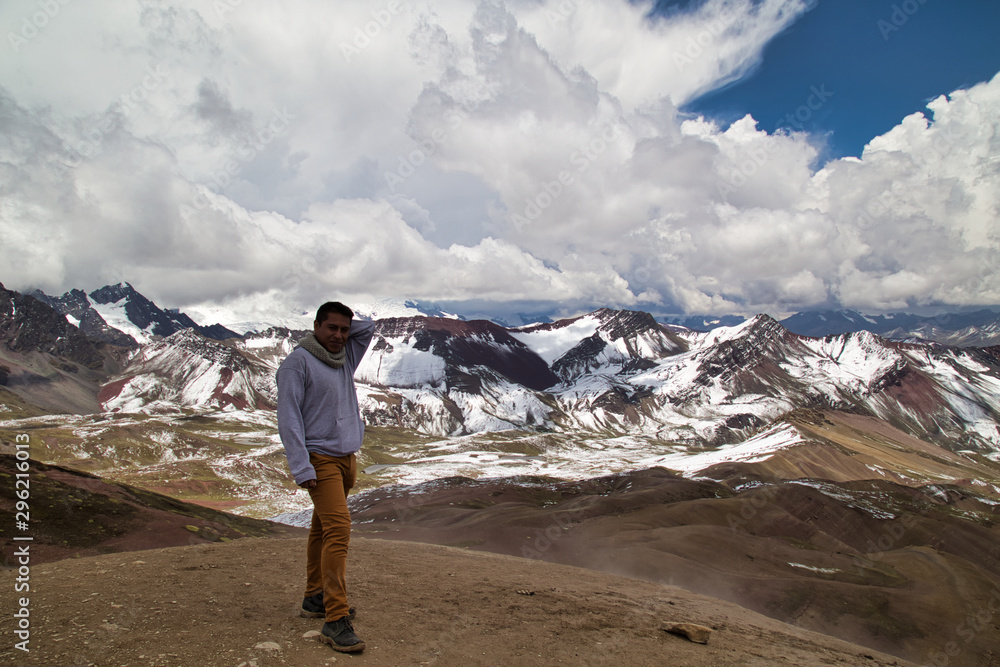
[{"x": 235, "y": 604}]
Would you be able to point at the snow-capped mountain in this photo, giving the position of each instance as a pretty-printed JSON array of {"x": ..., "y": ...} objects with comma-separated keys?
[
  {"x": 80, "y": 312},
  {"x": 450, "y": 376},
  {"x": 985, "y": 333},
  {"x": 28, "y": 326},
  {"x": 47, "y": 361},
  {"x": 187, "y": 370},
  {"x": 271, "y": 345},
  {"x": 610, "y": 371},
  {"x": 979, "y": 328},
  {"x": 737, "y": 378},
  {"x": 387, "y": 308},
  {"x": 829, "y": 322},
  {"x": 119, "y": 315},
  {"x": 116, "y": 313},
  {"x": 620, "y": 342},
  {"x": 251, "y": 315},
  {"x": 127, "y": 310}
]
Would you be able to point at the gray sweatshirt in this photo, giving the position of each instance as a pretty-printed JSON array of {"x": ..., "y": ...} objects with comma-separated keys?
[{"x": 318, "y": 405}]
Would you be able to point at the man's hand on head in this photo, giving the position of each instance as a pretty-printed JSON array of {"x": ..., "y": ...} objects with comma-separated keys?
[{"x": 308, "y": 484}]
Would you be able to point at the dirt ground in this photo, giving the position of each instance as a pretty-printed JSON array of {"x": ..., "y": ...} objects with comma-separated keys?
[{"x": 235, "y": 604}]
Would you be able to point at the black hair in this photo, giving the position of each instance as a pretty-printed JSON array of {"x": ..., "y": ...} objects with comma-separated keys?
[{"x": 333, "y": 307}]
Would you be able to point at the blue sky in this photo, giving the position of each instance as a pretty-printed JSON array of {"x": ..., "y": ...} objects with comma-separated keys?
[{"x": 881, "y": 60}]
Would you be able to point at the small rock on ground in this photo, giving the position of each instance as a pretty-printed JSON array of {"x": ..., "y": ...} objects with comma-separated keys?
[
  {"x": 699, "y": 634},
  {"x": 268, "y": 646}
]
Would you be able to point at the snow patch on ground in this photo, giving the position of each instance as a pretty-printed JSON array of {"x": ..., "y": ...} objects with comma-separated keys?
[
  {"x": 855, "y": 500},
  {"x": 758, "y": 448},
  {"x": 821, "y": 570},
  {"x": 574, "y": 458}
]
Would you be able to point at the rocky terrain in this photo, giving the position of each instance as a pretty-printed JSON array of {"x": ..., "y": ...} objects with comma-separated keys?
[
  {"x": 48, "y": 363},
  {"x": 120, "y": 315},
  {"x": 882, "y": 565},
  {"x": 821, "y": 574},
  {"x": 237, "y": 604}
]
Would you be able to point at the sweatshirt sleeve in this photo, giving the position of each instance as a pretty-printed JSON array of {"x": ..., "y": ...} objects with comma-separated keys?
[
  {"x": 291, "y": 425},
  {"x": 358, "y": 340}
]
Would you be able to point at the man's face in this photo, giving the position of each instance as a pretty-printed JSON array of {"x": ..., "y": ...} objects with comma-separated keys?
[{"x": 332, "y": 332}]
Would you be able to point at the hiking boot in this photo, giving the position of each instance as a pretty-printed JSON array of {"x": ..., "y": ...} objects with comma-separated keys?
[
  {"x": 340, "y": 636},
  {"x": 313, "y": 607}
]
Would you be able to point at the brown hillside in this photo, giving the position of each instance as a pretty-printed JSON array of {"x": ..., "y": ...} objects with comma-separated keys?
[
  {"x": 878, "y": 564},
  {"x": 236, "y": 604},
  {"x": 74, "y": 514}
]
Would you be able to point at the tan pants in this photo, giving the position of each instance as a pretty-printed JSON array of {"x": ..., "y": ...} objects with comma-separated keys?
[{"x": 330, "y": 534}]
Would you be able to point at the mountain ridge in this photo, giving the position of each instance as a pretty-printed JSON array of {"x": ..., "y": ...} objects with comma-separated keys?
[
  {"x": 976, "y": 328},
  {"x": 128, "y": 309},
  {"x": 613, "y": 370}
]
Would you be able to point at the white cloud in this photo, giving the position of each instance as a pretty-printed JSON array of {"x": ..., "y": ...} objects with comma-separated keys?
[
  {"x": 641, "y": 60},
  {"x": 272, "y": 156}
]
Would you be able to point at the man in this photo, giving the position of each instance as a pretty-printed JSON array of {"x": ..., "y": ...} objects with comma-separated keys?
[{"x": 320, "y": 425}]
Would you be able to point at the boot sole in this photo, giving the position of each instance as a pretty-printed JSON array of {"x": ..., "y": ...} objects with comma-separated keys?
[
  {"x": 322, "y": 614},
  {"x": 357, "y": 648}
]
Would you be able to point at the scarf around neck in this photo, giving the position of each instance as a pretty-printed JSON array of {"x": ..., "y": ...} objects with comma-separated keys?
[{"x": 312, "y": 346}]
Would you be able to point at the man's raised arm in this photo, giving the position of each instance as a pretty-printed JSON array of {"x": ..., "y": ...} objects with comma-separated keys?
[{"x": 359, "y": 339}]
